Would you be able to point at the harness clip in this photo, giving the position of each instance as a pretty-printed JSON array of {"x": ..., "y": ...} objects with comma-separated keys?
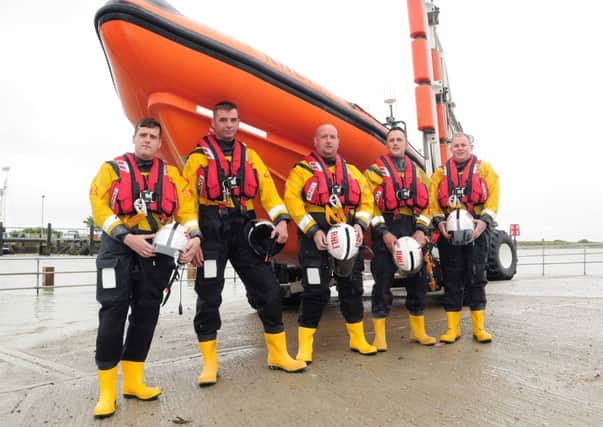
[
  {"x": 140, "y": 206},
  {"x": 335, "y": 201}
]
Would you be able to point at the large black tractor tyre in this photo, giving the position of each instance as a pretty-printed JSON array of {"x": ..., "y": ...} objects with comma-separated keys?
[{"x": 502, "y": 256}]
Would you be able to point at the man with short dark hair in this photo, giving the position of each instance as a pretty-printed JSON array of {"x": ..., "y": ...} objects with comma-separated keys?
[
  {"x": 401, "y": 209},
  {"x": 132, "y": 197},
  {"x": 228, "y": 175}
]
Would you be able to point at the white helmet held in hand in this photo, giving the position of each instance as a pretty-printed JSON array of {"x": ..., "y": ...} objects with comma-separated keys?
[
  {"x": 408, "y": 255},
  {"x": 170, "y": 240},
  {"x": 341, "y": 242},
  {"x": 460, "y": 226}
]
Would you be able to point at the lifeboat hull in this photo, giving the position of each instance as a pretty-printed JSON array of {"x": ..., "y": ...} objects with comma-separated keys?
[{"x": 166, "y": 66}]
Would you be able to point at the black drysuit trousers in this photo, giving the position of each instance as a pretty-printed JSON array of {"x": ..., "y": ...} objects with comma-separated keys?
[
  {"x": 464, "y": 269},
  {"x": 383, "y": 269},
  {"x": 317, "y": 273},
  {"x": 224, "y": 239},
  {"x": 126, "y": 281}
]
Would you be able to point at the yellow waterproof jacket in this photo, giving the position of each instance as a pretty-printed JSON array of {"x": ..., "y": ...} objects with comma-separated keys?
[
  {"x": 118, "y": 226},
  {"x": 486, "y": 211},
  {"x": 269, "y": 197},
  {"x": 374, "y": 179},
  {"x": 300, "y": 209}
]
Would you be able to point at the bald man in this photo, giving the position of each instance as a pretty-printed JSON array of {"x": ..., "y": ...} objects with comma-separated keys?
[{"x": 321, "y": 191}]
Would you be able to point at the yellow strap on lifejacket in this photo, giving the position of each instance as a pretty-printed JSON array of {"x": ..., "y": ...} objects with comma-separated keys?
[
  {"x": 133, "y": 220},
  {"x": 335, "y": 215}
]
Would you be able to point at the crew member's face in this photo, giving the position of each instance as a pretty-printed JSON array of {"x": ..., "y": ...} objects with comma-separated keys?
[
  {"x": 326, "y": 141},
  {"x": 226, "y": 124},
  {"x": 461, "y": 149},
  {"x": 396, "y": 143},
  {"x": 146, "y": 142}
]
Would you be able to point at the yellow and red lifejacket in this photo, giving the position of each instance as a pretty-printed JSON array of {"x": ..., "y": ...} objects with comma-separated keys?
[
  {"x": 156, "y": 189},
  {"x": 396, "y": 192},
  {"x": 319, "y": 188},
  {"x": 221, "y": 177},
  {"x": 471, "y": 190}
]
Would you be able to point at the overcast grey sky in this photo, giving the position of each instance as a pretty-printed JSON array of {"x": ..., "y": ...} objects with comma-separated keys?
[{"x": 524, "y": 75}]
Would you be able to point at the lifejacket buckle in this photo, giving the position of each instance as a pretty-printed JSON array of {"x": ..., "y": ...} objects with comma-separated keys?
[
  {"x": 459, "y": 192},
  {"x": 225, "y": 191},
  {"x": 146, "y": 196},
  {"x": 230, "y": 182},
  {"x": 403, "y": 194},
  {"x": 336, "y": 190}
]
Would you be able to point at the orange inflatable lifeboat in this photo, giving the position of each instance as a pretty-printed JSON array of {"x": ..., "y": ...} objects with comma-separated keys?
[{"x": 166, "y": 66}]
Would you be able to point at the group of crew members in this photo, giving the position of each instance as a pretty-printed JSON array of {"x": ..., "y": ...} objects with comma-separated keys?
[{"x": 136, "y": 194}]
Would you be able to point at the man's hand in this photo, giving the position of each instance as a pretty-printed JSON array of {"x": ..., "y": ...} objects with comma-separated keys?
[
  {"x": 390, "y": 241},
  {"x": 139, "y": 244},
  {"x": 281, "y": 232},
  {"x": 480, "y": 227},
  {"x": 192, "y": 253},
  {"x": 359, "y": 235},
  {"x": 419, "y": 236},
  {"x": 320, "y": 240},
  {"x": 443, "y": 231}
]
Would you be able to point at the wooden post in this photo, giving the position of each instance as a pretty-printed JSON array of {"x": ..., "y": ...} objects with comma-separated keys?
[{"x": 48, "y": 276}]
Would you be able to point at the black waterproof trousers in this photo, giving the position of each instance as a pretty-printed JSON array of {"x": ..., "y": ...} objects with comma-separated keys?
[
  {"x": 223, "y": 240},
  {"x": 318, "y": 269},
  {"x": 126, "y": 281},
  {"x": 464, "y": 269},
  {"x": 383, "y": 269}
]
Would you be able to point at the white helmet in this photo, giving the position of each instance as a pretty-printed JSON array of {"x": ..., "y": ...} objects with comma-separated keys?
[
  {"x": 170, "y": 240},
  {"x": 408, "y": 255},
  {"x": 341, "y": 242},
  {"x": 460, "y": 227}
]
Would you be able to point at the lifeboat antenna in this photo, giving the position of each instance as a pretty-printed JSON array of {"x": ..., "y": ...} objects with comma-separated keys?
[{"x": 390, "y": 121}]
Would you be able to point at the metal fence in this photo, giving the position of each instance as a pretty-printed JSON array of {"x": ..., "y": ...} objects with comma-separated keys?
[
  {"x": 35, "y": 272},
  {"x": 544, "y": 260}
]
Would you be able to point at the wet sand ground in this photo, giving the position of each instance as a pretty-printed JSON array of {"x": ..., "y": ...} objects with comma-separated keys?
[{"x": 544, "y": 366}]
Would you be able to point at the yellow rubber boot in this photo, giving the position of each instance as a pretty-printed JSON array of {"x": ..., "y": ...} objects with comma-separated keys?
[
  {"x": 380, "y": 341},
  {"x": 417, "y": 330},
  {"x": 133, "y": 382},
  {"x": 107, "y": 385},
  {"x": 209, "y": 373},
  {"x": 358, "y": 341},
  {"x": 278, "y": 356},
  {"x": 305, "y": 344},
  {"x": 453, "y": 332},
  {"x": 480, "y": 335}
]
